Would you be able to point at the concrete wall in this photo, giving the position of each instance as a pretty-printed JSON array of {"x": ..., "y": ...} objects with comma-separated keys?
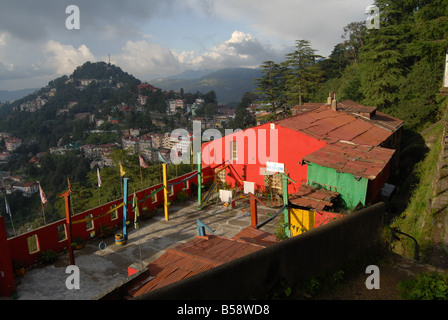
[{"x": 293, "y": 260}]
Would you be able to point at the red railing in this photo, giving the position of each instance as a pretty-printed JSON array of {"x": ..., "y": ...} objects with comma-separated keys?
[{"x": 49, "y": 236}]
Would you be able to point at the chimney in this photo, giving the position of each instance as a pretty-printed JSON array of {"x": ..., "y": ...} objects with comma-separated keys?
[
  {"x": 332, "y": 102},
  {"x": 330, "y": 98}
]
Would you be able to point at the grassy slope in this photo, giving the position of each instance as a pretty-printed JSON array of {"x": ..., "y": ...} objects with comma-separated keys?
[{"x": 417, "y": 220}]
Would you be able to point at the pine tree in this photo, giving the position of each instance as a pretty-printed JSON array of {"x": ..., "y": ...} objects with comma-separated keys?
[
  {"x": 402, "y": 63},
  {"x": 270, "y": 85},
  {"x": 355, "y": 34},
  {"x": 303, "y": 75},
  {"x": 382, "y": 67}
]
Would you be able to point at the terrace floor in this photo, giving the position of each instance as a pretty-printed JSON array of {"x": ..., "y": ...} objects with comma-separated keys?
[{"x": 103, "y": 270}]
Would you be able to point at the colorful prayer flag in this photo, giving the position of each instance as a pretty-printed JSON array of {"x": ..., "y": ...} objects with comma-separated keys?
[
  {"x": 8, "y": 209},
  {"x": 122, "y": 172},
  {"x": 99, "y": 177},
  {"x": 142, "y": 162},
  {"x": 69, "y": 185},
  {"x": 162, "y": 159},
  {"x": 136, "y": 211},
  {"x": 43, "y": 197}
]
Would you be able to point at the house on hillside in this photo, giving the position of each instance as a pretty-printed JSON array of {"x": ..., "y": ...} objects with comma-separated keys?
[
  {"x": 345, "y": 148},
  {"x": 175, "y": 105},
  {"x": 12, "y": 144}
]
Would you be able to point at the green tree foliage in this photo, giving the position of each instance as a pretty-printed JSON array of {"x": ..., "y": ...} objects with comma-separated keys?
[
  {"x": 243, "y": 118},
  {"x": 270, "y": 85},
  {"x": 398, "y": 67},
  {"x": 294, "y": 81},
  {"x": 104, "y": 71},
  {"x": 303, "y": 75},
  {"x": 88, "y": 195},
  {"x": 382, "y": 70},
  {"x": 403, "y": 61}
]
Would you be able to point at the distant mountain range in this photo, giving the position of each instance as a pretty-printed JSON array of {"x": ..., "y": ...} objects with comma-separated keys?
[
  {"x": 229, "y": 84},
  {"x": 6, "y": 95}
]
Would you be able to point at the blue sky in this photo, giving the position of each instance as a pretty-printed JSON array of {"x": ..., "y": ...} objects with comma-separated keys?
[{"x": 153, "y": 38}]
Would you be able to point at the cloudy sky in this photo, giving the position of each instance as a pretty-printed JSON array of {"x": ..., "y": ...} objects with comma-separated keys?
[{"x": 159, "y": 38}]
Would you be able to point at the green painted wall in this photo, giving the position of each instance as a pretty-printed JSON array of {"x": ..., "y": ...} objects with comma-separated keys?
[{"x": 351, "y": 190}]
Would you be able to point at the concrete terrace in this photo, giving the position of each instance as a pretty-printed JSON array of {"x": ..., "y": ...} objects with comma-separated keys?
[{"x": 104, "y": 270}]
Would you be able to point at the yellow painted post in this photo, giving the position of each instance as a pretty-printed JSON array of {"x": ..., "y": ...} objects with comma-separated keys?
[
  {"x": 301, "y": 221},
  {"x": 165, "y": 192}
]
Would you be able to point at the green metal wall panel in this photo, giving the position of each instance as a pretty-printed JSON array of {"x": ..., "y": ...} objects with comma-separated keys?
[{"x": 352, "y": 191}]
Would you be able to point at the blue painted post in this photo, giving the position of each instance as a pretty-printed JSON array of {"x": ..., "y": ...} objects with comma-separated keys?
[
  {"x": 125, "y": 208},
  {"x": 201, "y": 226}
]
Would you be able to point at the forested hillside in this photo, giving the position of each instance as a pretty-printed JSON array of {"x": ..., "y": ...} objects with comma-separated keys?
[
  {"x": 397, "y": 68},
  {"x": 92, "y": 106},
  {"x": 401, "y": 65}
]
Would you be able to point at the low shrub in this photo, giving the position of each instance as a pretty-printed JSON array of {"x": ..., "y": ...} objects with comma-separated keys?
[
  {"x": 48, "y": 256},
  {"x": 426, "y": 286}
]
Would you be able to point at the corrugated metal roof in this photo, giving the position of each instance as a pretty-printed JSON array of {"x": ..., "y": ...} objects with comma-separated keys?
[
  {"x": 311, "y": 115},
  {"x": 330, "y": 125},
  {"x": 378, "y": 118},
  {"x": 354, "y": 107},
  {"x": 199, "y": 255},
  {"x": 256, "y": 236},
  {"x": 357, "y": 160},
  {"x": 313, "y": 198}
]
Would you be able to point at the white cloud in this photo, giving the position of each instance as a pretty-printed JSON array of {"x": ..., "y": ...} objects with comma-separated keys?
[
  {"x": 140, "y": 35},
  {"x": 241, "y": 50},
  {"x": 320, "y": 22},
  {"x": 147, "y": 60},
  {"x": 3, "y": 36},
  {"x": 64, "y": 59},
  {"x": 142, "y": 58}
]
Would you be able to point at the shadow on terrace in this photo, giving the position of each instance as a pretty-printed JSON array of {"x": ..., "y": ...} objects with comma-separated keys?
[{"x": 102, "y": 270}]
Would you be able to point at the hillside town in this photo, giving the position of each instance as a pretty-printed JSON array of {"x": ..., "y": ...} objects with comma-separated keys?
[{"x": 326, "y": 179}]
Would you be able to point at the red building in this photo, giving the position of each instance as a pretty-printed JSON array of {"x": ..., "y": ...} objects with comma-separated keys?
[
  {"x": 246, "y": 153},
  {"x": 288, "y": 142}
]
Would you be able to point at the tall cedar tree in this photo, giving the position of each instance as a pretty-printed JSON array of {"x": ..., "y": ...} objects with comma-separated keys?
[
  {"x": 270, "y": 85},
  {"x": 303, "y": 75},
  {"x": 402, "y": 63}
]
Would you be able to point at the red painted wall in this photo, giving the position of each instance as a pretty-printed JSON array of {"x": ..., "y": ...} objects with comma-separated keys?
[
  {"x": 7, "y": 284},
  {"x": 16, "y": 249},
  {"x": 375, "y": 187},
  {"x": 293, "y": 146}
]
